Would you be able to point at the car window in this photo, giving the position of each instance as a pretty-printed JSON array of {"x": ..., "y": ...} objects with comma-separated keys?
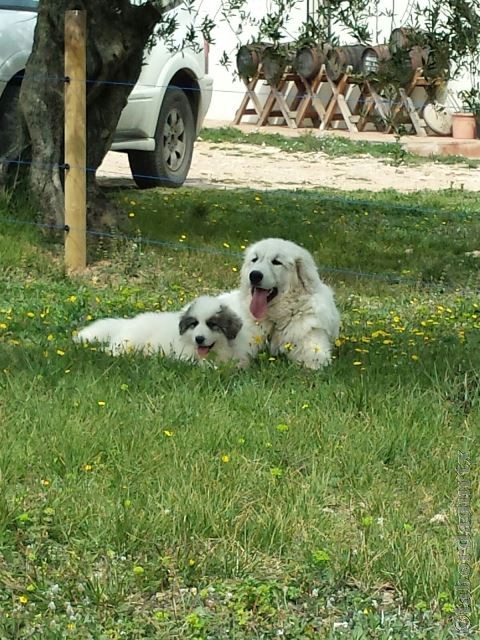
[{"x": 19, "y": 5}]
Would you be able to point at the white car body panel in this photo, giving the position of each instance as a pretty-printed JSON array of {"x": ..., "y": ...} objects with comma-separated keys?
[
  {"x": 16, "y": 37},
  {"x": 140, "y": 123}
]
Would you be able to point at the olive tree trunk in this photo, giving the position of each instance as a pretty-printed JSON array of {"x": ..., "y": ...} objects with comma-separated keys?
[{"x": 117, "y": 33}]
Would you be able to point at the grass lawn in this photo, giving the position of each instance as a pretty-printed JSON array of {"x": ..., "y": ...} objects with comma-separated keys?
[{"x": 143, "y": 498}]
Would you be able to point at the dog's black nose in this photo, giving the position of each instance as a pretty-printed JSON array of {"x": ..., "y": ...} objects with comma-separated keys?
[
  {"x": 199, "y": 339},
  {"x": 256, "y": 277}
]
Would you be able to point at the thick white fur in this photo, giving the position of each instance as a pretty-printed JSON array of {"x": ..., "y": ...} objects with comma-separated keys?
[
  {"x": 302, "y": 320},
  {"x": 173, "y": 334},
  {"x": 255, "y": 333}
]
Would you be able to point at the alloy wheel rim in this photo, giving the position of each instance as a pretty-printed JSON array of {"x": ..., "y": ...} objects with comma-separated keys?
[{"x": 174, "y": 145}]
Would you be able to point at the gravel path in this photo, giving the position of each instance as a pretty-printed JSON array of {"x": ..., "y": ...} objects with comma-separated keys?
[{"x": 262, "y": 167}]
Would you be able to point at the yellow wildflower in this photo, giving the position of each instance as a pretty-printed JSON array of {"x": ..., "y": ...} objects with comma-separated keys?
[{"x": 379, "y": 333}]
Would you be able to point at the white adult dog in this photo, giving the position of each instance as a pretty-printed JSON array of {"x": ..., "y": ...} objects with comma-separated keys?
[
  {"x": 207, "y": 326},
  {"x": 282, "y": 300}
]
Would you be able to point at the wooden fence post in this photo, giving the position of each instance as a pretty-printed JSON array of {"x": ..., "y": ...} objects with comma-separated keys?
[{"x": 75, "y": 141}]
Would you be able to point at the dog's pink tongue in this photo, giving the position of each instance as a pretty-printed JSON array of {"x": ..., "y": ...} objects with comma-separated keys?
[
  {"x": 258, "y": 305},
  {"x": 203, "y": 351}
]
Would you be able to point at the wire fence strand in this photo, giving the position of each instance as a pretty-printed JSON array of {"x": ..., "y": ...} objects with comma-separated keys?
[
  {"x": 327, "y": 199},
  {"x": 320, "y": 197},
  {"x": 389, "y": 278},
  {"x": 387, "y": 102}
]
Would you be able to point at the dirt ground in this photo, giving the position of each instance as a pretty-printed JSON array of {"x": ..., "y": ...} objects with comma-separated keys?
[{"x": 244, "y": 165}]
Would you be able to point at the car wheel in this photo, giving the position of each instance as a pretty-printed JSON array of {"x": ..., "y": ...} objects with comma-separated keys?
[{"x": 168, "y": 165}]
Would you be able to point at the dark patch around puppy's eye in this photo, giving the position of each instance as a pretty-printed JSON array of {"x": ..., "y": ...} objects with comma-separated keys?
[
  {"x": 213, "y": 326},
  {"x": 187, "y": 322},
  {"x": 276, "y": 262}
]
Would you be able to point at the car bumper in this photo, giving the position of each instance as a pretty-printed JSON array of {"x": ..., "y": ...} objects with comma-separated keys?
[{"x": 206, "y": 93}]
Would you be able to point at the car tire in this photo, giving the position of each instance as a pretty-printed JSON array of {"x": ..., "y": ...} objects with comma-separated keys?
[
  {"x": 175, "y": 135},
  {"x": 9, "y": 118}
]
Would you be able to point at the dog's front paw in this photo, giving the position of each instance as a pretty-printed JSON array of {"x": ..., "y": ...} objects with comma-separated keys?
[
  {"x": 314, "y": 358},
  {"x": 243, "y": 363}
]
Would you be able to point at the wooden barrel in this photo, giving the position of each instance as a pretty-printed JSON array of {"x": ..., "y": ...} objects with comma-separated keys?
[
  {"x": 418, "y": 57},
  {"x": 400, "y": 68},
  {"x": 275, "y": 61},
  {"x": 406, "y": 38},
  {"x": 372, "y": 58},
  {"x": 308, "y": 60},
  {"x": 437, "y": 65},
  {"x": 340, "y": 58},
  {"x": 401, "y": 38},
  {"x": 249, "y": 58}
]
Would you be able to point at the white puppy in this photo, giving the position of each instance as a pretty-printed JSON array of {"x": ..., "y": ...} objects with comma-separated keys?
[
  {"x": 282, "y": 298},
  {"x": 205, "y": 326}
]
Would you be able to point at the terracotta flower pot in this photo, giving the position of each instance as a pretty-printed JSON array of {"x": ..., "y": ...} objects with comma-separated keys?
[{"x": 464, "y": 126}]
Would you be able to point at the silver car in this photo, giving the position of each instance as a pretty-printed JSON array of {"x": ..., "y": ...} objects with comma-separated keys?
[{"x": 165, "y": 109}]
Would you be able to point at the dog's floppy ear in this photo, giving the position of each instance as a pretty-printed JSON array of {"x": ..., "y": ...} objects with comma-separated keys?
[
  {"x": 229, "y": 322},
  {"x": 307, "y": 272},
  {"x": 186, "y": 320}
]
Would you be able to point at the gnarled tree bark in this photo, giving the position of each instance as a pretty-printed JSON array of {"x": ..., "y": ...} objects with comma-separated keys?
[{"x": 117, "y": 35}]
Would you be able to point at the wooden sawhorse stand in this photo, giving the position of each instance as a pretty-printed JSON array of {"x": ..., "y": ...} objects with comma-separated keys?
[
  {"x": 370, "y": 105},
  {"x": 311, "y": 105},
  {"x": 338, "y": 99},
  {"x": 278, "y": 98},
  {"x": 405, "y": 104},
  {"x": 250, "y": 95}
]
